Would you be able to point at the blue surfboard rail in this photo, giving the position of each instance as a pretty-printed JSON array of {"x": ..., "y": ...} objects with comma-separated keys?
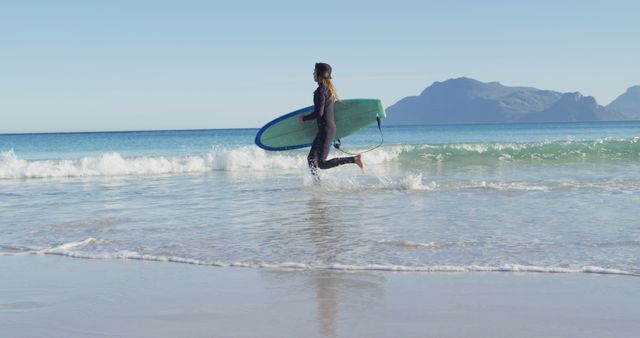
[{"x": 281, "y": 118}]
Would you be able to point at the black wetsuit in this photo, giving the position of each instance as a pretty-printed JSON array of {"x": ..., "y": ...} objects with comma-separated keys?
[{"x": 323, "y": 113}]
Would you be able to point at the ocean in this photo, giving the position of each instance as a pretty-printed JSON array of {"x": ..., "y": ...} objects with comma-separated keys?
[{"x": 543, "y": 198}]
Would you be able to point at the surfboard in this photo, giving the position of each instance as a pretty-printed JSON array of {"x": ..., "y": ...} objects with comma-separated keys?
[{"x": 286, "y": 132}]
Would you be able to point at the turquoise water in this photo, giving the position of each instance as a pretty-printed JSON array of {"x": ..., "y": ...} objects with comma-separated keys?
[{"x": 504, "y": 197}]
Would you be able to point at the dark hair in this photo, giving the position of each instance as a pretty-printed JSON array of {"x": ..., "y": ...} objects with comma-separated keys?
[{"x": 323, "y": 70}]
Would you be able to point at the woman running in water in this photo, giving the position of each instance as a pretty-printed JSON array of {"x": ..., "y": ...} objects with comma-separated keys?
[{"x": 323, "y": 99}]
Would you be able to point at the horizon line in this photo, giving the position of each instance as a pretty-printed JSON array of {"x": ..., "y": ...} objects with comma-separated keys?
[{"x": 257, "y": 128}]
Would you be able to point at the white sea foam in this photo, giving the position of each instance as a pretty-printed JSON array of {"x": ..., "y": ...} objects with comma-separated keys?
[
  {"x": 67, "y": 247},
  {"x": 416, "y": 182},
  {"x": 421, "y": 245},
  {"x": 346, "y": 183},
  {"x": 76, "y": 250},
  {"x": 218, "y": 159},
  {"x": 255, "y": 159},
  {"x": 113, "y": 164},
  {"x": 526, "y": 186},
  {"x": 252, "y": 159}
]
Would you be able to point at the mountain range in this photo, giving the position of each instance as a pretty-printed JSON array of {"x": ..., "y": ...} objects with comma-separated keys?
[
  {"x": 628, "y": 103},
  {"x": 465, "y": 100}
]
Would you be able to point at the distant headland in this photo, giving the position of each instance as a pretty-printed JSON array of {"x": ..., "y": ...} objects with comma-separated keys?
[{"x": 465, "y": 100}]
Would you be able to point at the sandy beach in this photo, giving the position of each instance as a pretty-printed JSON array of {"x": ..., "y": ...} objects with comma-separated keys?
[
  {"x": 329, "y": 169},
  {"x": 51, "y": 296}
]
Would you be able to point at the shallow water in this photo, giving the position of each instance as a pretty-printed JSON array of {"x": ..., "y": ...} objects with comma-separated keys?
[{"x": 504, "y": 197}]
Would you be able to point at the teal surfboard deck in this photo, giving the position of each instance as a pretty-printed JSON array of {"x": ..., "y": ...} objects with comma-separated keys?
[{"x": 286, "y": 132}]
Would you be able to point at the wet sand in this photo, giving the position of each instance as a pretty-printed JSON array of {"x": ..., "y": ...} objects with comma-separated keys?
[{"x": 51, "y": 296}]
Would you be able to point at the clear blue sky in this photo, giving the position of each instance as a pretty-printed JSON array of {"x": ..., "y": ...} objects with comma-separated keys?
[{"x": 131, "y": 65}]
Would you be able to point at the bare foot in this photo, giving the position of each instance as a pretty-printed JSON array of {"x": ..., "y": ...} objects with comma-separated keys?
[{"x": 360, "y": 162}]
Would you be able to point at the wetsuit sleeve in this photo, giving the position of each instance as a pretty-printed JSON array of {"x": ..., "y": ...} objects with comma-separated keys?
[{"x": 318, "y": 101}]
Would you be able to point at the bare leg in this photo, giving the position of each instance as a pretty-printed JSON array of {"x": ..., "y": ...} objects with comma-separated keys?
[{"x": 360, "y": 162}]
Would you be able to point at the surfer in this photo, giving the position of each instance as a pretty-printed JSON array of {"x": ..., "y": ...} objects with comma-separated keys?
[{"x": 323, "y": 99}]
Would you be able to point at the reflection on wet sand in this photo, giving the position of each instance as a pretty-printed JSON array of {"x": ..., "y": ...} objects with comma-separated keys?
[
  {"x": 361, "y": 292},
  {"x": 339, "y": 295},
  {"x": 333, "y": 287}
]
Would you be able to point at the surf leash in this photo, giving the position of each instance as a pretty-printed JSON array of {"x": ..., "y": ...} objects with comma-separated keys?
[{"x": 337, "y": 143}]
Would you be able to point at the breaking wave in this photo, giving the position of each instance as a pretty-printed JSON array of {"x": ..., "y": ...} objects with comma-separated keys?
[{"x": 252, "y": 158}]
